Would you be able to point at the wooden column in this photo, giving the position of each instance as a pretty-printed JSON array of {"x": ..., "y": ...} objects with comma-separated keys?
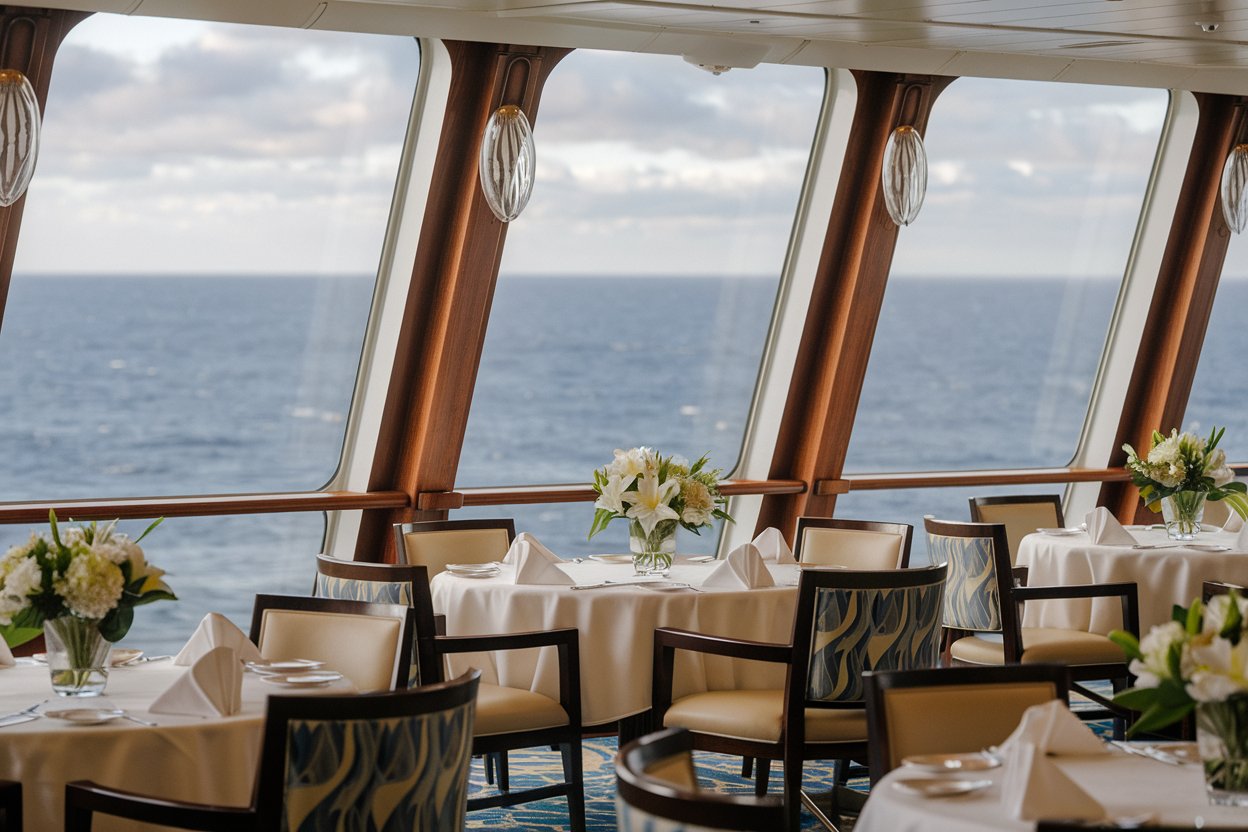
[
  {"x": 1182, "y": 300},
  {"x": 29, "y": 39},
  {"x": 452, "y": 288},
  {"x": 845, "y": 302}
]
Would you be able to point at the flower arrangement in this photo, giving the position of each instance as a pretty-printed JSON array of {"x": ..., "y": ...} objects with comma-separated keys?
[
  {"x": 656, "y": 493},
  {"x": 90, "y": 572},
  {"x": 1183, "y": 462}
]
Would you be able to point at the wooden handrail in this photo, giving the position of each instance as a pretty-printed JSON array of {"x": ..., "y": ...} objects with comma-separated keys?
[
  {"x": 949, "y": 479},
  {"x": 199, "y": 506},
  {"x": 574, "y": 493}
]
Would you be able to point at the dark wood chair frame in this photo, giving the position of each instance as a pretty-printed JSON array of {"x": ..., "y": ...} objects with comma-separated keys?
[
  {"x": 664, "y": 799},
  {"x": 433, "y": 648},
  {"x": 1012, "y": 598},
  {"x": 401, "y": 529},
  {"x": 11, "y": 805},
  {"x": 1020, "y": 572},
  {"x": 878, "y": 683},
  {"x": 904, "y": 530},
  {"x": 83, "y": 799},
  {"x": 1208, "y": 589},
  {"x": 403, "y": 661},
  {"x": 791, "y": 747}
]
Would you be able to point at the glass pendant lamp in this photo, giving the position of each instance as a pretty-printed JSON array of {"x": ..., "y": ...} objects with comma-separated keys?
[
  {"x": 19, "y": 135},
  {"x": 1235, "y": 188},
  {"x": 507, "y": 162},
  {"x": 904, "y": 175}
]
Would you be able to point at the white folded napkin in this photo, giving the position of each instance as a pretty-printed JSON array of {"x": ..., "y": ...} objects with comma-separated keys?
[
  {"x": 743, "y": 568},
  {"x": 535, "y": 564},
  {"x": 212, "y": 687},
  {"x": 1233, "y": 521},
  {"x": 770, "y": 544},
  {"x": 1241, "y": 540},
  {"x": 1053, "y": 729},
  {"x": 215, "y": 630},
  {"x": 1033, "y": 787},
  {"x": 6, "y": 655},
  {"x": 1105, "y": 529}
]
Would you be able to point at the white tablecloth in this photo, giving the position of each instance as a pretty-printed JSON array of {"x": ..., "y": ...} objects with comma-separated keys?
[
  {"x": 1165, "y": 576},
  {"x": 1124, "y": 785},
  {"x": 184, "y": 757},
  {"x": 617, "y": 631}
]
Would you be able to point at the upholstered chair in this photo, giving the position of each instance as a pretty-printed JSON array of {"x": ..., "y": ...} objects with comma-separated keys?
[
  {"x": 1021, "y": 514},
  {"x": 852, "y": 544},
  {"x": 365, "y": 761},
  {"x": 435, "y": 543}
]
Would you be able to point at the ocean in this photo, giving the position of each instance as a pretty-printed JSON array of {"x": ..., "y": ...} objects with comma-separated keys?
[{"x": 126, "y": 386}]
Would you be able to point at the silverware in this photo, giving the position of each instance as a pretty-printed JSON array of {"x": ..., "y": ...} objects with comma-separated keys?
[
  {"x": 125, "y": 715},
  {"x": 592, "y": 586},
  {"x": 1157, "y": 546},
  {"x": 18, "y": 719},
  {"x": 28, "y": 710},
  {"x": 1148, "y": 752}
]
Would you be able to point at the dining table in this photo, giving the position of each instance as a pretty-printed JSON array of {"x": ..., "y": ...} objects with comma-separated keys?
[
  {"x": 616, "y": 619},
  {"x": 195, "y": 758},
  {"x": 1167, "y": 572}
]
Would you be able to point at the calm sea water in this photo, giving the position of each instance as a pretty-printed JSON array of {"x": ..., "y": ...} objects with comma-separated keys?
[{"x": 133, "y": 386}]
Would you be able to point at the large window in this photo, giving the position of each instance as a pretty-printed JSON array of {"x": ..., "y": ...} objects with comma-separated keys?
[
  {"x": 1221, "y": 385},
  {"x": 636, "y": 290}
]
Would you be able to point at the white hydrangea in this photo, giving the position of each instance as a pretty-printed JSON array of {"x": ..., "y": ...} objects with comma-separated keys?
[
  {"x": 91, "y": 585},
  {"x": 699, "y": 504},
  {"x": 19, "y": 577}
]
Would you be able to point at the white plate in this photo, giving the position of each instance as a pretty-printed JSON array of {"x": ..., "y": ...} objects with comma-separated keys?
[
  {"x": 974, "y": 761},
  {"x": 612, "y": 558},
  {"x": 311, "y": 679},
  {"x": 86, "y": 716},
  {"x": 1060, "y": 532},
  {"x": 1208, "y": 547},
  {"x": 939, "y": 786},
  {"x": 472, "y": 567},
  {"x": 282, "y": 667}
]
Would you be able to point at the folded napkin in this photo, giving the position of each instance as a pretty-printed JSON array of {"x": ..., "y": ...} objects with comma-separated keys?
[
  {"x": 217, "y": 631},
  {"x": 535, "y": 564},
  {"x": 1033, "y": 787},
  {"x": 743, "y": 568},
  {"x": 1233, "y": 522},
  {"x": 1053, "y": 729},
  {"x": 212, "y": 687},
  {"x": 1105, "y": 529},
  {"x": 770, "y": 544},
  {"x": 6, "y": 655}
]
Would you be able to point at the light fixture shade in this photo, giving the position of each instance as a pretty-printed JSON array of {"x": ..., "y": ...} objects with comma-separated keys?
[
  {"x": 904, "y": 176},
  {"x": 508, "y": 160},
  {"x": 19, "y": 135},
  {"x": 1235, "y": 188}
]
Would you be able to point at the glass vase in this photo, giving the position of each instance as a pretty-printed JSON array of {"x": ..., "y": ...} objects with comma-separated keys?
[
  {"x": 77, "y": 655},
  {"x": 1182, "y": 513},
  {"x": 652, "y": 553},
  {"x": 1222, "y": 732}
]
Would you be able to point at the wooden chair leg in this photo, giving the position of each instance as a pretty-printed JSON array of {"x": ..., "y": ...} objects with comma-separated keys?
[
  {"x": 500, "y": 766},
  {"x": 764, "y": 775},
  {"x": 574, "y": 776},
  {"x": 747, "y": 767},
  {"x": 487, "y": 760}
]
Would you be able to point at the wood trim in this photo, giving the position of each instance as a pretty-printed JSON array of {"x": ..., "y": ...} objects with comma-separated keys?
[
  {"x": 534, "y": 494},
  {"x": 954, "y": 479},
  {"x": 451, "y": 292},
  {"x": 1174, "y": 332},
  {"x": 29, "y": 40},
  {"x": 845, "y": 301},
  {"x": 199, "y": 506}
]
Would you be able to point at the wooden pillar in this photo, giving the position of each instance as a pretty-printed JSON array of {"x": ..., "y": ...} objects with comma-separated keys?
[
  {"x": 845, "y": 302},
  {"x": 29, "y": 39},
  {"x": 1174, "y": 333},
  {"x": 452, "y": 288}
]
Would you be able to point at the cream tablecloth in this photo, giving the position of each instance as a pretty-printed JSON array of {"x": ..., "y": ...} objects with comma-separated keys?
[
  {"x": 1124, "y": 785},
  {"x": 1165, "y": 576},
  {"x": 184, "y": 757},
  {"x": 616, "y": 627}
]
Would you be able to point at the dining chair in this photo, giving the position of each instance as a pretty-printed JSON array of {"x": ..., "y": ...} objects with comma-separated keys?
[
  {"x": 845, "y": 622},
  {"x": 657, "y": 788},
  {"x": 11, "y": 805},
  {"x": 1208, "y": 589},
  {"x": 435, "y": 543},
  {"x": 1021, "y": 514},
  {"x": 852, "y": 544},
  {"x": 394, "y": 760},
  {"x": 368, "y": 643},
  {"x": 951, "y": 710},
  {"x": 981, "y": 616}
]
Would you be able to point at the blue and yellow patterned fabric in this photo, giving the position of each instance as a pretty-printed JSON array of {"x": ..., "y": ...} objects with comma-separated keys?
[
  {"x": 378, "y": 592},
  {"x": 387, "y": 775},
  {"x": 870, "y": 629},
  {"x": 972, "y": 599}
]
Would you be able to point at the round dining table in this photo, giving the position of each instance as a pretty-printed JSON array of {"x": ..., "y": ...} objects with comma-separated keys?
[
  {"x": 1167, "y": 573},
  {"x": 202, "y": 759},
  {"x": 616, "y": 623}
]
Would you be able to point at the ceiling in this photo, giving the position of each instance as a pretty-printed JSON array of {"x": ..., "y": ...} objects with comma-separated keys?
[{"x": 1190, "y": 45}]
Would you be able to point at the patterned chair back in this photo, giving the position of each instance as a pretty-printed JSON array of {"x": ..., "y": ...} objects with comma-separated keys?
[
  {"x": 977, "y": 555},
  {"x": 859, "y": 621},
  {"x": 383, "y": 761}
]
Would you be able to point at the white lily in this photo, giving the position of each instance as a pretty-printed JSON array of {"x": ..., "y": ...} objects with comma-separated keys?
[
  {"x": 612, "y": 495},
  {"x": 649, "y": 503}
]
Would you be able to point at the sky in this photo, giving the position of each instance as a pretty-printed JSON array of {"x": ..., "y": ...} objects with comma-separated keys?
[{"x": 174, "y": 147}]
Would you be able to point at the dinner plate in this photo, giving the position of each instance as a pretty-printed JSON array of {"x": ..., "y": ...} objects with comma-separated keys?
[
  {"x": 1184, "y": 752},
  {"x": 311, "y": 679},
  {"x": 612, "y": 558},
  {"x": 974, "y": 761},
  {"x": 86, "y": 716},
  {"x": 939, "y": 786},
  {"x": 1060, "y": 532},
  {"x": 474, "y": 570},
  {"x": 283, "y": 667}
]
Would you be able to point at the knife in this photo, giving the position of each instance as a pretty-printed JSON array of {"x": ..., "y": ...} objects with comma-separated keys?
[{"x": 17, "y": 719}]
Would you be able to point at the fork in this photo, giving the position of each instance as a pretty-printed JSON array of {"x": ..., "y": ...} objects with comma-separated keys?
[{"x": 27, "y": 711}]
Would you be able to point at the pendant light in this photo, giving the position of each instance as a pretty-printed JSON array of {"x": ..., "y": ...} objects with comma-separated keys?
[
  {"x": 1235, "y": 188},
  {"x": 904, "y": 175},
  {"x": 19, "y": 135},
  {"x": 507, "y": 162}
]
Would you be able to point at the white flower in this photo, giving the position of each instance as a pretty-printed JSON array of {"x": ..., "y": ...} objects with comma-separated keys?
[
  {"x": 91, "y": 585},
  {"x": 1218, "y": 669},
  {"x": 21, "y": 576},
  {"x": 631, "y": 463},
  {"x": 698, "y": 503},
  {"x": 1215, "y": 613},
  {"x": 649, "y": 503},
  {"x": 612, "y": 494},
  {"x": 1156, "y": 649}
]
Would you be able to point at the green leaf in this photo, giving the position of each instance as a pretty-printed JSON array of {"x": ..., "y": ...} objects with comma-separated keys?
[
  {"x": 1128, "y": 642},
  {"x": 1233, "y": 625},
  {"x": 1194, "y": 616},
  {"x": 1178, "y": 614},
  {"x": 1158, "y": 717},
  {"x": 155, "y": 595},
  {"x": 1137, "y": 699},
  {"x": 116, "y": 624},
  {"x": 146, "y": 531},
  {"x": 16, "y": 636}
]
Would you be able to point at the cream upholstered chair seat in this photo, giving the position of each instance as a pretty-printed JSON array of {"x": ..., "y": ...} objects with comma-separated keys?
[
  {"x": 1041, "y": 645},
  {"x": 758, "y": 716},
  {"x": 502, "y": 710}
]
